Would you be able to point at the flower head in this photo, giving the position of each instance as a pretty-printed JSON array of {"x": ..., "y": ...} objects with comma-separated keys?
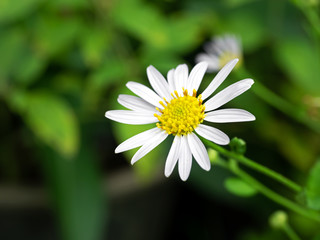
[
  {"x": 177, "y": 109},
  {"x": 219, "y": 51}
]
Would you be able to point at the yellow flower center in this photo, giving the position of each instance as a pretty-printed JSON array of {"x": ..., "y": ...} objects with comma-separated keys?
[{"x": 182, "y": 114}]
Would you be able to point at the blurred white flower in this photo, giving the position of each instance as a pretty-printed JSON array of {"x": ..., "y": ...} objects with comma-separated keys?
[
  {"x": 176, "y": 108},
  {"x": 219, "y": 51}
]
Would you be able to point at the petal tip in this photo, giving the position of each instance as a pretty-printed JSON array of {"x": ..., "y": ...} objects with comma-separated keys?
[
  {"x": 167, "y": 174},
  {"x": 204, "y": 63},
  {"x": 207, "y": 168},
  {"x": 150, "y": 68},
  {"x": 107, "y": 114},
  {"x": 225, "y": 141},
  {"x": 183, "y": 178},
  {"x": 128, "y": 84}
]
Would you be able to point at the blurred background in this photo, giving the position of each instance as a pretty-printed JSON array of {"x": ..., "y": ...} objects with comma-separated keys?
[{"x": 62, "y": 65}]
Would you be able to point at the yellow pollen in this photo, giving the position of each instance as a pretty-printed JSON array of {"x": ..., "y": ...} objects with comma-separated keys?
[{"x": 182, "y": 114}]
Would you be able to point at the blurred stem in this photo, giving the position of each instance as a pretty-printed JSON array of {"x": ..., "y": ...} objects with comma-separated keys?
[
  {"x": 281, "y": 104},
  {"x": 310, "y": 12},
  {"x": 234, "y": 168},
  {"x": 290, "y": 232},
  {"x": 284, "y": 106},
  {"x": 256, "y": 166}
]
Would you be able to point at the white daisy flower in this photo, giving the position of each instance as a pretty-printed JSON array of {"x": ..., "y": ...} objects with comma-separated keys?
[
  {"x": 176, "y": 109},
  {"x": 219, "y": 51}
]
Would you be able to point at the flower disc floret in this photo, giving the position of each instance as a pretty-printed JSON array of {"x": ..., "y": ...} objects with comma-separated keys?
[{"x": 182, "y": 114}]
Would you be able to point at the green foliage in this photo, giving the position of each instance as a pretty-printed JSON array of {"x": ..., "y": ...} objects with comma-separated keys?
[
  {"x": 240, "y": 20},
  {"x": 75, "y": 188},
  {"x": 51, "y": 119},
  {"x": 299, "y": 59},
  {"x": 156, "y": 30},
  {"x": 94, "y": 45},
  {"x": 63, "y": 63},
  {"x": 11, "y": 11},
  {"x": 55, "y": 34},
  {"x": 238, "y": 187},
  {"x": 313, "y": 187}
]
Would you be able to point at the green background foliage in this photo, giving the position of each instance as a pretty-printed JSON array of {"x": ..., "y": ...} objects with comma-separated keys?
[{"x": 62, "y": 65}]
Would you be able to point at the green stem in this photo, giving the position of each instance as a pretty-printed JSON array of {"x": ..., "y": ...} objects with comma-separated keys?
[
  {"x": 271, "y": 194},
  {"x": 290, "y": 232},
  {"x": 256, "y": 166},
  {"x": 280, "y": 103},
  {"x": 284, "y": 106}
]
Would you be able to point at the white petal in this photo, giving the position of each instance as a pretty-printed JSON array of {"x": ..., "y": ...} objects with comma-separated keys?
[
  {"x": 154, "y": 141},
  {"x": 199, "y": 151},
  {"x": 135, "y": 103},
  {"x": 137, "y": 140},
  {"x": 219, "y": 45},
  {"x": 172, "y": 156},
  {"x": 145, "y": 93},
  {"x": 158, "y": 82},
  {"x": 219, "y": 78},
  {"x": 170, "y": 77},
  {"x": 181, "y": 77},
  {"x": 185, "y": 159},
  {"x": 228, "y": 94},
  {"x": 212, "y": 60},
  {"x": 212, "y": 134},
  {"x": 131, "y": 117},
  {"x": 196, "y": 76},
  {"x": 229, "y": 115},
  {"x": 210, "y": 47}
]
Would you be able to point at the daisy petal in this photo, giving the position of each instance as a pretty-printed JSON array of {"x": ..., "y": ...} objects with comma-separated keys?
[
  {"x": 170, "y": 77},
  {"x": 212, "y": 134},
  {"x": 199, "y": 151},
  {"x": 228, "y": 94},
  {"x": 181, "y": 77},
  {"x": 212, "y": 60},
  {"x": 158, "y": 82},
  {"x": 219, "y": 78},
  {"x": 172, "y": 156},
  {"x": 196, "y": 76},
  {"x": 137, "y": 140},
  {"x": 229, "y": 115},
  {"x": 185, "y": 159},
  {"x": 135, "y": 103},
  {"x": 145, "y": 93},
  {"x": 154, "y": 141},
  {"x": 131, "y": 117}
]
